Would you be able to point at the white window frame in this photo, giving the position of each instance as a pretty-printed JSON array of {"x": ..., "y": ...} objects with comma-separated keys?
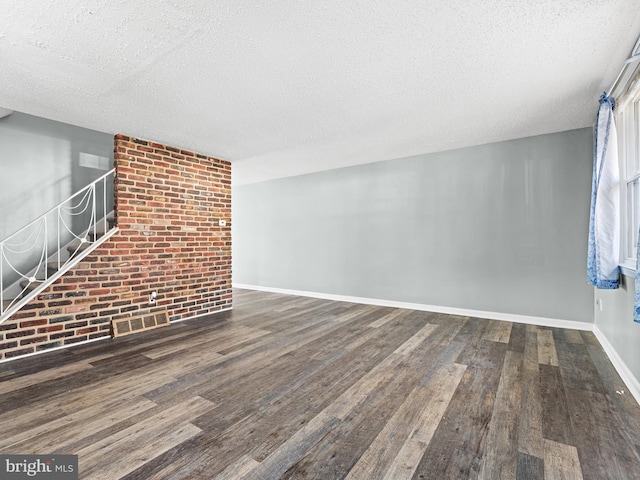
[{"x": 627, "y": 117}]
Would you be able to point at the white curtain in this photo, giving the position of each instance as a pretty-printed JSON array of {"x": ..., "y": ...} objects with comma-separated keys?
[{"x": 604, "y": 223}]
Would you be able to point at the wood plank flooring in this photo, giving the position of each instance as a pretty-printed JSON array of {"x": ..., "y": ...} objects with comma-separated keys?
[{"x": 299, "y": 388}]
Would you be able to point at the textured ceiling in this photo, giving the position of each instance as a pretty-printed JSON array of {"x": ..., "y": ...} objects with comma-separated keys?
[{"x": 294, "y": 86}]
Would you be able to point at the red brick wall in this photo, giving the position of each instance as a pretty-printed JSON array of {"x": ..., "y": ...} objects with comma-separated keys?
[{"x": 168, "y": 205}]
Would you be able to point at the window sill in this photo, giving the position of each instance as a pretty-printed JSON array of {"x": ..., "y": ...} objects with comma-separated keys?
[{"x": 628, "y": 269}]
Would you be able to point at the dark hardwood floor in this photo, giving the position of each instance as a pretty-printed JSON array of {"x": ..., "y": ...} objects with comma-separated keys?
[{"x": 296, "y": 388}]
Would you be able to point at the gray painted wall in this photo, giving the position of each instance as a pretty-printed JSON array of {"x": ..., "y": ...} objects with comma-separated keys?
[
  {"x": 499, "y": 228},
  {"x": 615, "y": 321},
  {"x": 39, "y": 161}
]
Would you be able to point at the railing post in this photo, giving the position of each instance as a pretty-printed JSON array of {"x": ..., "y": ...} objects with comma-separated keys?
[
  {"x": 58, "y": 239},
  {"x": 94, "y": 213},
  {"x": 104, "y": 204},
  {"x": 46, "y": 248}
]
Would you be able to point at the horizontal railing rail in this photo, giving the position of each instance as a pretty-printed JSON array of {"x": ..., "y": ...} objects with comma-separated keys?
[{"x": 42, "y": 251}]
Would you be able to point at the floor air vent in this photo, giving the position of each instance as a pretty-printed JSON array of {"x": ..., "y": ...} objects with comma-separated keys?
[{"x": 127, "y": 326}]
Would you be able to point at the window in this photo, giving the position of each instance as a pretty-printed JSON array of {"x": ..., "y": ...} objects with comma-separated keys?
[{"x": 628, "y": 127}]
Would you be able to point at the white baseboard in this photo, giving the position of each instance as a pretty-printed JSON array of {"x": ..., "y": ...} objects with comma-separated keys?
[
  {"x": 627, "y": 377},
  {"x": 62, "y": 347},
  {"x": 200, "y": 315},
  {"x": 507, "y": 317},
  {"x": 625, "y": 373},
  {"x": 109, "y": 337}
]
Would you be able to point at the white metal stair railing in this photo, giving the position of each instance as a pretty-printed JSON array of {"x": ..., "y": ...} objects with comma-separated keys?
[{"x": 41, "y": 252}]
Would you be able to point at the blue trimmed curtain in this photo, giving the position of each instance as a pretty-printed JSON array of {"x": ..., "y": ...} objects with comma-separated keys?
[{"x": 604, "y": 222}]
